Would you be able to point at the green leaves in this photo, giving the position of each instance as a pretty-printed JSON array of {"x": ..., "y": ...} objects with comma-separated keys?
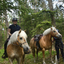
[{"x": 36, "y": 23}]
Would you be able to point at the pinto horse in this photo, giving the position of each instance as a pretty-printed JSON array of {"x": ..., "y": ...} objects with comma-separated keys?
[
  {"x": 45, "y": 42},
  {"x": 17, "y": 47}
]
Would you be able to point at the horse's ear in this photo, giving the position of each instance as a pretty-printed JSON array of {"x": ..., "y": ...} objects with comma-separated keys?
[
  {"x": 51, "y": 28},
  {"x": 19, "y": 31},
  {"x": 55, "y": 26},
  {"x": 25, "y": 30}
]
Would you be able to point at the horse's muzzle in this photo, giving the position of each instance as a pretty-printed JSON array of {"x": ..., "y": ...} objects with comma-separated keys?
[
  {"x": 60, "y": 36},
  {"x": 27, "y": 51}
]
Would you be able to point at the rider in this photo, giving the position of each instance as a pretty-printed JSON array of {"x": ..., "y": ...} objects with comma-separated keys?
[
  {"x": 59, "y": 45},
  {"x": 12, "y": 28}
]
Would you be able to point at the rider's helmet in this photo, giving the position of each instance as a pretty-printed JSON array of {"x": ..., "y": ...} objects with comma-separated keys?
[{"x": 14, "y": 19}]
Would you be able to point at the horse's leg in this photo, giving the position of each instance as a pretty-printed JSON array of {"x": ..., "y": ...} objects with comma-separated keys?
[
  {"x": 33, "y": 52},
  {"x": 50, "y": 51},
  {"x": 37, "y": 54},
  {"x": 11, "y": 60},
  {"x": 43, "y": 51},
  {"x": 21, "y": 59},
  {"x": 17, "y": 60},
  {"x": 56, "y": 62}
]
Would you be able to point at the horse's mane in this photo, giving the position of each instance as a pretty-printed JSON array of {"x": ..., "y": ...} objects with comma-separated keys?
[
  {"x": 47, "y": 31},
  {"x": 14, "y": 36}
]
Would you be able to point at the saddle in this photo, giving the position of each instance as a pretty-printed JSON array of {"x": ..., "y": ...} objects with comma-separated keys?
[{"x": 37, "y": 38}]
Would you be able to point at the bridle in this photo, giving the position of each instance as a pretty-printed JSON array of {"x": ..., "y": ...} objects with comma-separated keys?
[{"x": 20, "y": 44}]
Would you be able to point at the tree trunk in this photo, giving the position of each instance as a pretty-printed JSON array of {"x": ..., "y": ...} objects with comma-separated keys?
[
  {"x": 53, "y": 20},
  {"x": 51, "y": 8},
  {"x": 6, "y": 22}
]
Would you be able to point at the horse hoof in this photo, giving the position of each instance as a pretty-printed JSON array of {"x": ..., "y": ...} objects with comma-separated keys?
[
  {"x": 34, "y": 61},
  {"x": 44, "y": 63},
  {"x": 53, "y": 62}
]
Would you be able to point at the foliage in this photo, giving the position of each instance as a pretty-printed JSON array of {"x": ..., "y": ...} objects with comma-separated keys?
[
  {"x": 41, "y": 27},
  {"x": 60, "y": 26},
  {"x": 5, "y": 5},
  {"x": 60, "y": 20},
  {"x": 34, "y": 23},
  {"x": 29, "y": 20}
]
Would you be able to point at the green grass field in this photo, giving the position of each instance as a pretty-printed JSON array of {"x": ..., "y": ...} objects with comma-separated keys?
[{"x": 29, "y": 58}]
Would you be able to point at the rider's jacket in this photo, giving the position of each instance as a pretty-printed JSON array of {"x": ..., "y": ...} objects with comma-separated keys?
[{"x": 14, "y": 28}]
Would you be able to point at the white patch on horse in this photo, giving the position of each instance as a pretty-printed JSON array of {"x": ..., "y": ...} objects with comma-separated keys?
[
  {"x": 14, "y": 54},
  {"x": 47, "y": 31},
  {"x": 14, "y": 36},
  {"x": 23, "y": 34}
]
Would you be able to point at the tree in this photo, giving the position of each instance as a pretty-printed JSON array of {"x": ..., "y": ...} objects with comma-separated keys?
[
  {"x": 51, "y": 8},
  {"x": 6, "y": 5},
  {"x": 37, "y": 5}
]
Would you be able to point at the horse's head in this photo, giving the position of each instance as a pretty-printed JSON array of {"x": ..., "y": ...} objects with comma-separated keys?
[
  {"x": 55, "y": 32},
  {"x": 22, "y": 41}
]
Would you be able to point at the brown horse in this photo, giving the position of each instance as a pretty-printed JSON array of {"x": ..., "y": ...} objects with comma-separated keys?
[
  {"x": 17, "y": 47},
  {"x": 45, "y": 42}
]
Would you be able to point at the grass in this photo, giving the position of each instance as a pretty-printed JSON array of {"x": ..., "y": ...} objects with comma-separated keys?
[{"x": 29, "y": 58}]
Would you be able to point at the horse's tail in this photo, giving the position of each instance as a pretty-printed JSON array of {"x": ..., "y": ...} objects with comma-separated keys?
[
  {"x": 32, "y": 46},
  {"x": 31, "y": 43}
]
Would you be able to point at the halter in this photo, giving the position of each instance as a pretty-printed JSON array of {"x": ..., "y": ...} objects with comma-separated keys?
[{"x": 20, "y": 44}]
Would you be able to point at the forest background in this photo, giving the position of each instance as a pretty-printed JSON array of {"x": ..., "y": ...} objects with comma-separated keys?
[{"x": 34, "y": 16}]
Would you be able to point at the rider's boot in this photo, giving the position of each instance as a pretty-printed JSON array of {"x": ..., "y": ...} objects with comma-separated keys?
[{"x": 4, "y": 55}]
